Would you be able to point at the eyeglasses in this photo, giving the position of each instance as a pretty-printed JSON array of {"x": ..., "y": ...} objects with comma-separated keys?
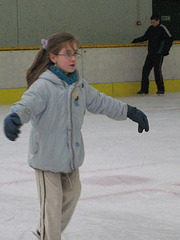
[{"x": 70, "y": 55}]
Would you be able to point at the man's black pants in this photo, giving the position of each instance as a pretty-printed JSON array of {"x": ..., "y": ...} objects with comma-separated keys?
[{"x": 152, "y": 61}]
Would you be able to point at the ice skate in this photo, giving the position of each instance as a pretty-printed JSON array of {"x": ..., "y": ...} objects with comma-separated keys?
[{"x": 37, "y": 234}]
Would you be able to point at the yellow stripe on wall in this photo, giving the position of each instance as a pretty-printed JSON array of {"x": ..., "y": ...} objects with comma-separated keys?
[
  {"x": 10, "y": 96},
  {"x": 125, "y": 89},
  {"x": 82, "y": 46}
]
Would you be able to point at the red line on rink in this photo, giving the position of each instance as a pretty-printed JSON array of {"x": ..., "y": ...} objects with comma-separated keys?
[
  {"x": 16, "y": 181},
  {"x": 130, "y": 192},
  {"x": 119, "y": 168}
]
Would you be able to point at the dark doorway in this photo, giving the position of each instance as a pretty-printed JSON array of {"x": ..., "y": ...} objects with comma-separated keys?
[{"x": 169, "y": 10}]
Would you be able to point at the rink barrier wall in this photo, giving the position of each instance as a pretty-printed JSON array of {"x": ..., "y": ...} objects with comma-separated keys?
[
  {"x": 116, "y": 69},
  {"x": 9, "y": 96}
]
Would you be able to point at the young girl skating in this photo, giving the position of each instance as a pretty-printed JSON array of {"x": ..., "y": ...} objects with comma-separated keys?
[{"x": 55, "y": 103}]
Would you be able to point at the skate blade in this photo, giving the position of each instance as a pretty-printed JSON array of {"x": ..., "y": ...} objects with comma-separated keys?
[
  {"x": 35, "y": 234},
  {"x": 159, "y": 95}
]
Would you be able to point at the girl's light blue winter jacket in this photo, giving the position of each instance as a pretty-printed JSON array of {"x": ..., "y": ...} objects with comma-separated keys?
[{"x": 56, "y": 111}]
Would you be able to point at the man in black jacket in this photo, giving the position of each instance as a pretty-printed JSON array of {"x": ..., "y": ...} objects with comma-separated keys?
[{"x": 159, "y": 43}]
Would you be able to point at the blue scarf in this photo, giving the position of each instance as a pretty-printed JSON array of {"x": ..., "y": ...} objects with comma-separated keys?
[{"x": 70, "y": 78}]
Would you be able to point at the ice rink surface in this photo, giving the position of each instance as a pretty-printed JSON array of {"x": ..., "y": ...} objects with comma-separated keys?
[{"x": 130, "y": 181}]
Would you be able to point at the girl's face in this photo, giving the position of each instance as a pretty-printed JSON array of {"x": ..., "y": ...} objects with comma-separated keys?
[{"x": 66, "y": 59}]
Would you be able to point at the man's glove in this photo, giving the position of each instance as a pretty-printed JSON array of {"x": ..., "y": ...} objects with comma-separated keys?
[
  {"x": 138, "y": 116},
  {"x": 12, "y": 124}
]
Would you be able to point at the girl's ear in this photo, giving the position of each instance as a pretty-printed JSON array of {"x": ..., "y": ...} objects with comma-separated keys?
[{"x": 52, "y": 57}]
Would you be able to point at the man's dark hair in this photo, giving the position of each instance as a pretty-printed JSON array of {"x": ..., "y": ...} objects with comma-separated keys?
[{"x": 155, "y": 17}]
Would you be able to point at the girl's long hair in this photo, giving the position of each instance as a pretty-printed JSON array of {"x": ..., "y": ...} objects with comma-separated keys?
[{"x": 42, "y": 61}]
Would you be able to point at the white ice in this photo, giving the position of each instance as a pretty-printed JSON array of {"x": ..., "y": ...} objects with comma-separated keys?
[{"x": 130, "y": 181}]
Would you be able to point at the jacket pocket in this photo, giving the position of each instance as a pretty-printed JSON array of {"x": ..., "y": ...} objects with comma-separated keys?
[{"x": 33, "y": 142}]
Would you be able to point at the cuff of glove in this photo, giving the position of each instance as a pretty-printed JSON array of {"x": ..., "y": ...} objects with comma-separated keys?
[
  {"x": 130, "y": 111},
  {"x": 16, "y": 118}
]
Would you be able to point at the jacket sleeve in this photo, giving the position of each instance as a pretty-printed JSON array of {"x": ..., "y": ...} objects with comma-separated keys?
[
  {"x": 31, "y": 104},
  {"x": 166, "y": 42},
  {"x": 143, "y": 38},
  {"x": 99, "y": 103}
]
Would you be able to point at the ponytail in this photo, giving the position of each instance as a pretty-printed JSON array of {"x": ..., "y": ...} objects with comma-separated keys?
[{"x": 40, "y": 64}]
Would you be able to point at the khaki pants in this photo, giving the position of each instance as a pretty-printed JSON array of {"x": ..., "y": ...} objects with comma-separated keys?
[{"x": 58, "y": 195}]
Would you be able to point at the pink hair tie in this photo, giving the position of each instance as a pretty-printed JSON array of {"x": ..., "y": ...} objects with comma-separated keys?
[{"x": 44, "y": 43}]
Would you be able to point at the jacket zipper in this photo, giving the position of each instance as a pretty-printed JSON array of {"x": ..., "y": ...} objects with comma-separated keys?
[{"x": 73, "y": 160}]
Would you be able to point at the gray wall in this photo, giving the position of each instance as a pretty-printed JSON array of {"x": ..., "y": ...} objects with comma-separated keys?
[{"x": 25, "y": 22}]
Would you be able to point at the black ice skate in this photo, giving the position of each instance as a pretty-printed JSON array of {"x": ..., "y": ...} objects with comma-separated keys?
[
  {"x": 37, "y": 234},
  {"x": 160, "y": 92}
]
